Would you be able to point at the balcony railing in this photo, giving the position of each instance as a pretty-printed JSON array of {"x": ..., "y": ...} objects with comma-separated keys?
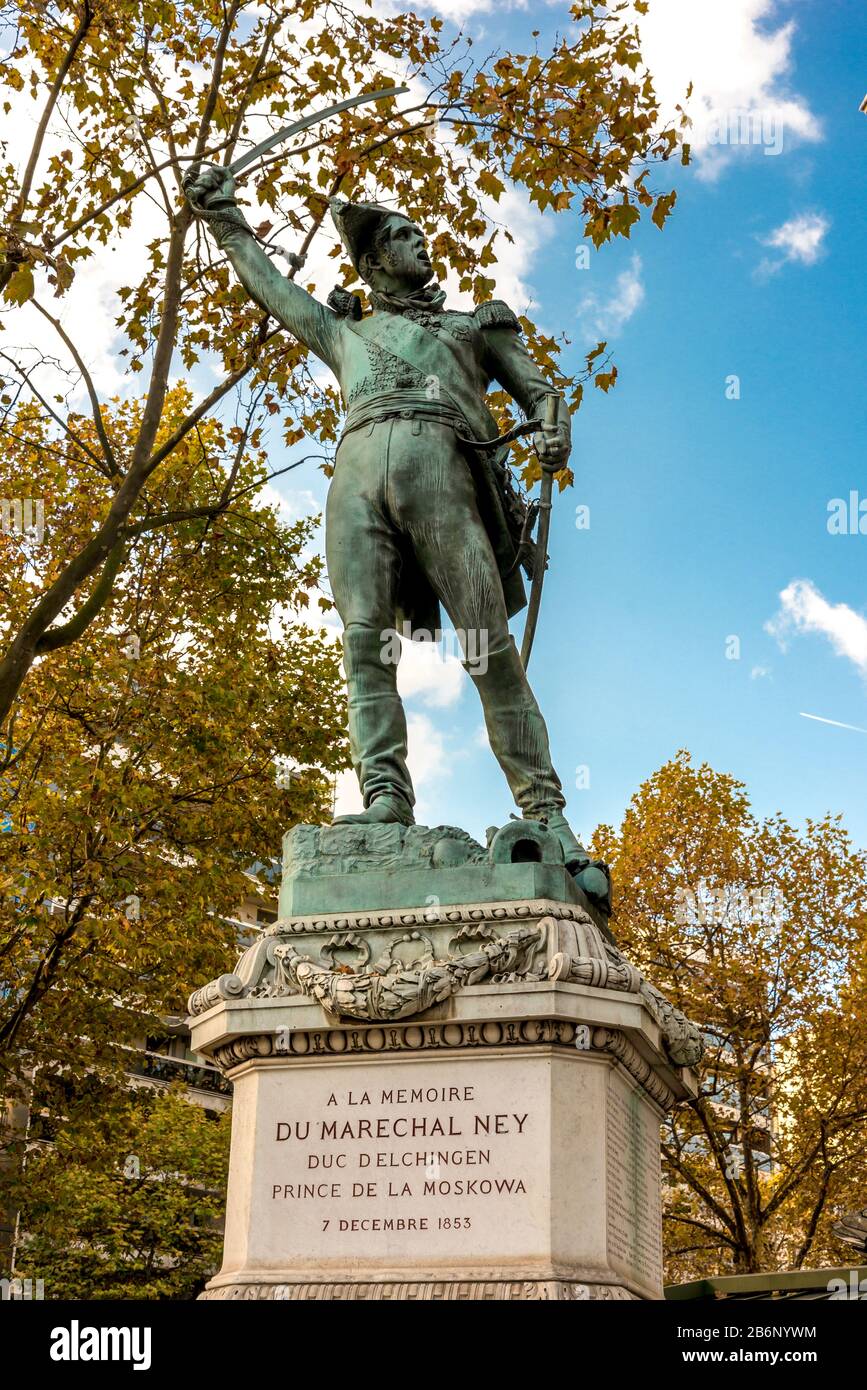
[{"x": 159, "y": 1067}]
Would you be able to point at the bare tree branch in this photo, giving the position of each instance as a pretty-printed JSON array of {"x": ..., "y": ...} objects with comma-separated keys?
[
  {"x": 58, "y": 419},
  {"x": 113, "y": 469}
]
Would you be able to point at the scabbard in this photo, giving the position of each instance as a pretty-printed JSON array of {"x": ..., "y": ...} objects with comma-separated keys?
[{"x": 516, "y": 432}]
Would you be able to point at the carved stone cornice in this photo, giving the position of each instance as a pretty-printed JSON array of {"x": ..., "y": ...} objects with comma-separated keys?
[
  {"x": 429, "y": 916},
  {"x": 445, "y": 1290},
  {"x": 337, "y": 1043},
  {"x": 613, "y": 1041},
  {"x": 424, "y": 955}
]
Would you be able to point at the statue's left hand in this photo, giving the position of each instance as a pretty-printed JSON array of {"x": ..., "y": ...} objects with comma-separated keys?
[{"x": 553, "y": 447}]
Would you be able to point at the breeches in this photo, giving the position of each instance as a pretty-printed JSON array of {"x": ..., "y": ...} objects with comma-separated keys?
[
  {"x": 402, "y": 487},
  {"x": 399, "y": 486}
]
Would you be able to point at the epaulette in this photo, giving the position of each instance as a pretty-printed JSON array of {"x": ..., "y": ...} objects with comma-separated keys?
[
  {"x": 496, "y": 314},
  {"x": 344, "y": 304}
]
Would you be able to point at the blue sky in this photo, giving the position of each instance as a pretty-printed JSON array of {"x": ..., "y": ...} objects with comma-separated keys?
[{"x": 704, "y": 508}]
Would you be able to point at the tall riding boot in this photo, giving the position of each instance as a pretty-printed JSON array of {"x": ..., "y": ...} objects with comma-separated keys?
[
  {"x": 377, "y": 730},
  {"x": 519, "y": 741}
]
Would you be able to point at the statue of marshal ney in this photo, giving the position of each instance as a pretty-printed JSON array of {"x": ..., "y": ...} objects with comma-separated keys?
[{"x": 418, "y": 515}]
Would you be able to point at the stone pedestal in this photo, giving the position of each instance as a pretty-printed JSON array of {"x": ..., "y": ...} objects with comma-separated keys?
[{"x": 448, "y": 1100}]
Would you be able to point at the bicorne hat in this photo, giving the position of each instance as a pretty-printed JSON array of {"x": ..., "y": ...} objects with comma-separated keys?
[{"x": 357, "y": 224}]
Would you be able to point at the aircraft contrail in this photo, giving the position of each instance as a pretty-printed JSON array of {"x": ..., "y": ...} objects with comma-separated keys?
[{"x": 836, "y": 722}]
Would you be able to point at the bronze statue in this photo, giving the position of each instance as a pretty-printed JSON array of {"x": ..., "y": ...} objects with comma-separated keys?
[{"x": 421, "y": 511}]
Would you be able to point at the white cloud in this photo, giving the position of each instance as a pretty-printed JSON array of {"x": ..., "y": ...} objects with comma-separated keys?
[
  {"x": 803, "y": 609},
  {"x": 740, "y": 64},
  {"x": 456, "y": 11},
  {"x": 759, "y": 673},
  {"x": 347, "y": 798},
  {"x": 428, "y": 757},
  {"x": 604, "y": 318},
  {"x": 293, "y": 504},
  {"x": 430, "y": 673},
  {"x": 480, "y": 738},
  {"x": 800, "y": 240},
  {"x": 530, "y": 232},
  {"x": 430, "y": 763}
]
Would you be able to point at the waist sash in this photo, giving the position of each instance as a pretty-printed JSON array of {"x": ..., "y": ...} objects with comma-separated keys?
[
  {"x": 415, "y": 405},
  {"x": 402, "y": 405}
]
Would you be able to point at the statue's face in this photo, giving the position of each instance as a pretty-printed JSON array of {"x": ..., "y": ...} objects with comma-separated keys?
[{"x": 401, "y": 254}]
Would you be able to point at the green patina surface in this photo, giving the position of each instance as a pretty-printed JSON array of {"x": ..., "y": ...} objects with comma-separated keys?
[
  {"x": 360, "y": 868},
  {"x": 421, "y": 515}
]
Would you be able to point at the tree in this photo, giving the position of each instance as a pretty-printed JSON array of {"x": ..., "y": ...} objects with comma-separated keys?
[
  {"x": 758, "y": 932},
  {"x": 140, "y": 781},
  {"x": 127, "y": 1202},
  {"x": 126, "y": 96}
]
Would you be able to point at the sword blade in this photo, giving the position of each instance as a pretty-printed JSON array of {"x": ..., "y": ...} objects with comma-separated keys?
[
  {"x": 279, "y": 136},
  {"x": 546, "y": 493}
]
